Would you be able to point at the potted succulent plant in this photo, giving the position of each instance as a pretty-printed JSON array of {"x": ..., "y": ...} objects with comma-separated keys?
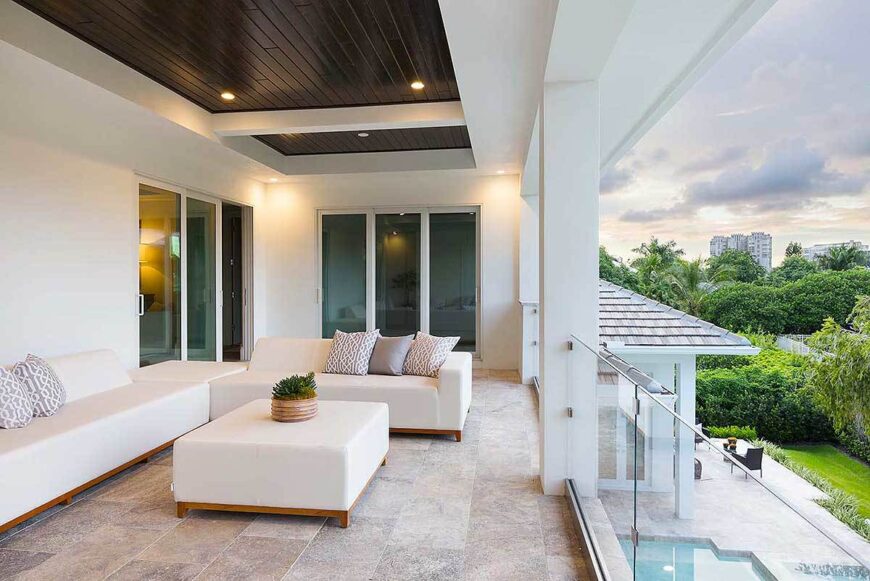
[{"x": 294, "y": 399}]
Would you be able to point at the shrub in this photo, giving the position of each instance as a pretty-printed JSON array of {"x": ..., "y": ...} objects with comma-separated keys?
[
  {"x": 856, "y": 444},
  {"x": 839, "y": 503},
  {"x": 739, "y": 432},
  {"x": 812, "y": 299},
  {"x": 768, "y": 395},
  {"x": 741, "y": 306},
  {"x": 295, "y": 387}
]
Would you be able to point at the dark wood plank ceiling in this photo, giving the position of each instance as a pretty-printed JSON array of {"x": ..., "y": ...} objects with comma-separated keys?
[
  {"x": 272, "y": 54},
  {"x": 382, "y": 140}
]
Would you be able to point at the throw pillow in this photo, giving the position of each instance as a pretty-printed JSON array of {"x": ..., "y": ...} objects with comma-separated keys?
[
  {"x": 41, "y": 384},
  {"x": 350, "y": 352},
  {"x": 428, "y": 353},
  {"x": 16, "y": 409},
  {"x": 388, "y": 357}
]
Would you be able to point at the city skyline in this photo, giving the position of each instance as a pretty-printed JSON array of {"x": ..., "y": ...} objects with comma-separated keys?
[{"x": 774, "y": 138}]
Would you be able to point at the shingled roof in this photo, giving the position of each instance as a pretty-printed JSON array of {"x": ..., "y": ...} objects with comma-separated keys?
[{"x": 629, "y": 319}]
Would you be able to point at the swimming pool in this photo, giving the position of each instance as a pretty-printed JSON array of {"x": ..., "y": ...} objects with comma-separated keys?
[{"x": 669, "y": 561}]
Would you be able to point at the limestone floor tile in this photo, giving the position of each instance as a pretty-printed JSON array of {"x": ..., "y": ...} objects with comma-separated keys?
[
  {"x": 95, "y": 556},
  {"x": 351, "y": 553},
  {"x": 567, "y": 567},
  {"x": 148, "y": 482},
  {"x": 452, "y": 453},
  {"x": 440, "y": 523},
  {"x": 66, "y": 527},
  {"x": 410, "y": 442},
  {"x": 154, "y": 571},
  {"x": 157, "y": 512},
  {"x": 258, "y": 558},
  {"x": 400, "y": 563},
  {"x": 402, "y": 464},
  {"x": 384, "y": 498},
  {"x": 502, "y": 561},
  {"x": 279, "y": 526},
  {"x": 195, "y": 540},
  {"x": 445, "y": 480},
  {"x": 13, "y": 562}
]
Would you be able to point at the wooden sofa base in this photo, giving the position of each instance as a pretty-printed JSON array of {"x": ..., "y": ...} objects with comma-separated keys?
[
  {"x": 67, "y": 497},
  {"x": 455, "y": 433},
  {"x": 343, "y": 516}
]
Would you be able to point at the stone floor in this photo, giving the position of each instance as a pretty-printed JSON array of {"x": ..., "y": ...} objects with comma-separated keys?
[
  {"x": 740, "y": 516},
  {"x": 438, "y": 510}
]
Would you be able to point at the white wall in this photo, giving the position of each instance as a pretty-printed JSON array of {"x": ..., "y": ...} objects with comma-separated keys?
[
  {"x": 291, "y": 236},
  {"x": 68, "y": 206}
]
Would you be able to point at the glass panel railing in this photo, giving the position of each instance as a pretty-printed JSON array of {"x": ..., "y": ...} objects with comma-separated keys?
[{"x": 670, "y": 503}]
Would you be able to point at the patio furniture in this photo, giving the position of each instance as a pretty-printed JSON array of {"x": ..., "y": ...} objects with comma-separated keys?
[
  {"x": 699, "y": 439},
  {"x": 752, "y": 460},
  {"x": 246, "y": 462}
]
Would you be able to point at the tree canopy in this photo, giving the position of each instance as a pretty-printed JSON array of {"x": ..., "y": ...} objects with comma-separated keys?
[
  {"x": 843, "y": 258},
  {"x": 736, "y": 265},
  {"x": 794, "y": 249},
  {"x": 793, "y": 268}
]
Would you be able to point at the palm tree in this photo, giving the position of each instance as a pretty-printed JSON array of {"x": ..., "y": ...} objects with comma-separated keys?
[
  {"x": 690, "y": 285},
  {"x": 843, "y": 258}
]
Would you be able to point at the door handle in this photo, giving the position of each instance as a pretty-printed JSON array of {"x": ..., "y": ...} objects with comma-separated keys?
[{"x": 141, "y": 304}]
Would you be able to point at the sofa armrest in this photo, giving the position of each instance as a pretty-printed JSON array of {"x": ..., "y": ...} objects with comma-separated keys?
[{"x": 454, "y": 391}]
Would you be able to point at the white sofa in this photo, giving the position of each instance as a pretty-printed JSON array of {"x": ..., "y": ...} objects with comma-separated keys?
[
  {"x": 426, "y": 405},
  {"x": 108, "y": 423}
]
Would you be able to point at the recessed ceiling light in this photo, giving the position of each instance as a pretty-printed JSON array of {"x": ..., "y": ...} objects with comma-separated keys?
[
  {"x": 273, "y": 180},
  {"x": 668, "y": 568},
  {"x": 417, "y": 85},
  {"x": 227, "y": 96},
  {"x": 500, "y": 172},
  {"x": 363, "y": 134}
]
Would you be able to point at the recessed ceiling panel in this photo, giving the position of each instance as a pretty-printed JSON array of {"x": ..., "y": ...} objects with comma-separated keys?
[
  {"x": 414, "y": 139},
  {"x": 272, "y": 54}
]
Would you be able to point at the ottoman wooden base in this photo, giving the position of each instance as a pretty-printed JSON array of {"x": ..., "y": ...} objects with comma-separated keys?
[{"x": 343, "y": 516}]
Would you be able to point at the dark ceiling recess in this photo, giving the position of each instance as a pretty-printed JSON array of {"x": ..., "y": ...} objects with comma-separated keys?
[
  {"x": 418, "y": 138},
  {"x": 271, "y": 54}
]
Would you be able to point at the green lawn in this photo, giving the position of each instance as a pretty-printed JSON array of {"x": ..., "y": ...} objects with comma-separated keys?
[{"x": 838, "y": 468}]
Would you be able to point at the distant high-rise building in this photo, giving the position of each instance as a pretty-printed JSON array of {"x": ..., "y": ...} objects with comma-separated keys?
[
  {"x": 816, "y": 250},
  {"x": 758, "y": 244}
]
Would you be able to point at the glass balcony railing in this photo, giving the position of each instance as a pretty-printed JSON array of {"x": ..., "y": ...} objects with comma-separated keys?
[{"x": 671, "y": 503}]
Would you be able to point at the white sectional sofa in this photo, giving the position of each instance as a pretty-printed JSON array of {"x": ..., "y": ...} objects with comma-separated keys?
[
  {"x": 427, "y": 405},
  {"x": 108, "y": 424}
]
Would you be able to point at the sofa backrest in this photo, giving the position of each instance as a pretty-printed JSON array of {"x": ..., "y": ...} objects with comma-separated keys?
[
  {"x": 299, "y": 355},
  {"x": 89, "y": 373}
]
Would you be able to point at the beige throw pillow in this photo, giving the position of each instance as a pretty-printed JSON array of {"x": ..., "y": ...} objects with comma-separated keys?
[{"x": 428, "y": 353}]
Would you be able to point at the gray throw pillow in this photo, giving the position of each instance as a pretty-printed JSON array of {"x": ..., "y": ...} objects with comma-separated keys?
[
  {"x": 16, "y": 410},
  {"x": 42, "y": 385},
  {"x": 388, "y": 358}
]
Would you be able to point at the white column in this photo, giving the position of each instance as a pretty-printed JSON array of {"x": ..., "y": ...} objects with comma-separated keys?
[
  {"x": 685, "y": 479},
  {"x": 528, "y": 260},
  {"x": 568, "y": 210}
]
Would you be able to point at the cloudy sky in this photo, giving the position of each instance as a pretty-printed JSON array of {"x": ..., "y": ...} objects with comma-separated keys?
[{"x": 775, "y": 137}]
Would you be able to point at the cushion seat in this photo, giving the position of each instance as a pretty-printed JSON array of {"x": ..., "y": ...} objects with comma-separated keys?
[{"x": 194, "y": 371}]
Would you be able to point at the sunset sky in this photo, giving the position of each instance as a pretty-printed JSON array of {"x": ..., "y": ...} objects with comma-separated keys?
[{"x": 775, "y": 137}]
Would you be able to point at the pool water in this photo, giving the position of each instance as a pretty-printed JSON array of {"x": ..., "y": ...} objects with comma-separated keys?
[{"x": 670, "y": 561}]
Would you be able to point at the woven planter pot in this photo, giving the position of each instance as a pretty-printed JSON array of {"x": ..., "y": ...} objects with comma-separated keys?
[{"x": 294, "y": 410}]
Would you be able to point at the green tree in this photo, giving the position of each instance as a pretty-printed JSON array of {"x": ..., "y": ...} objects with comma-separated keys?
[
  {"x": 843, "y": 258},
  {"x": 840, "y": 370},
  {"x": 815, "y": 297},
  {"x": 794, "y": 249},
  {"x": 793, "y": 268},
  {"x": 653, "y": 266},
  {"x": 742, "y": 306},
  {"x": 611, "y": 269},
  {"x": 690, "y": 286},
  {"x": 736, "y": 265}
]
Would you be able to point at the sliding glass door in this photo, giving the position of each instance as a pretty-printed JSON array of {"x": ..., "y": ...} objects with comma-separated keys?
[
  {"x": 159, "y": 275},
  {"x": 401, "y": 272},
  {"x": 343, "y": 273},
  {"x": 397, "y": 274},
  {"x": 453, "y": 277},
  {"x": 201, "y": 253}
]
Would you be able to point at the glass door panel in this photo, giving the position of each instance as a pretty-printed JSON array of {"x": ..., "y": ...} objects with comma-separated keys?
[
  {"x": 201, "y": 280},
  {"x": 343, "y": 273},
  {"x": 159, "y": 275},
  {"x": 453, "y": 277},
  {"x": 397, "y": 274}
]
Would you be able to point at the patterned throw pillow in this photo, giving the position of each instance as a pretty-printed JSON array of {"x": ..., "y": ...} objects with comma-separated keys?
[
  {"x": 41, "y": 384},
  {"x": 16, "y": 410},
  {"x": 428, "y": 353},
  {"x": 350, "y": 352}
]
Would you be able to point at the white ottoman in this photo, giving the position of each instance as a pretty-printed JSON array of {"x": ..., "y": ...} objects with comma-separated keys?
[{"x": 244, "y": 461}]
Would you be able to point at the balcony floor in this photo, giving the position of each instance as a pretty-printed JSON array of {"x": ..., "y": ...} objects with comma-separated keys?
[{"x": 438, "y": 510}]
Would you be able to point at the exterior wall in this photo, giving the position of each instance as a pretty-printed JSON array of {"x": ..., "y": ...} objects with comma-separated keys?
[
  {"x": 291, "y": 240},
  {"x": 757, "y": 244},
  {"x": 68, "y": 219},
  {"x": 817, "y": 250}
]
